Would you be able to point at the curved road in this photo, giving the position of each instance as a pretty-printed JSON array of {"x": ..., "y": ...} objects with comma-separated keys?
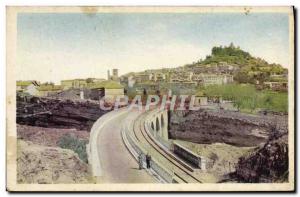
[{"x": 117, "y": 164}]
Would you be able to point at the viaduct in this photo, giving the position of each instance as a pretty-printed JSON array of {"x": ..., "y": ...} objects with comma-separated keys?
[{"x": 136, "y": 135}]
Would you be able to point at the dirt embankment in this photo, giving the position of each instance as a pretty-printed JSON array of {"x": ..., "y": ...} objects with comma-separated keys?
[
  {"x": 40, "y": 160},
  {"x": 220, "y": 158},
  {"x": 44, "y": 165},
  {"x": 47, "y": 136},
  {"x": 206, "y": 127}
]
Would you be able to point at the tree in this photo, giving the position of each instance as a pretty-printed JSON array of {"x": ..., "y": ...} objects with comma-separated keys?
[
  {"x": 89, "y": 80},
  {"x": 241, "y": 77}
]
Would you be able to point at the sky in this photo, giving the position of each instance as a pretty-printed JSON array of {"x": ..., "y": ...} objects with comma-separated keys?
[{"x": 57, "y": 46}]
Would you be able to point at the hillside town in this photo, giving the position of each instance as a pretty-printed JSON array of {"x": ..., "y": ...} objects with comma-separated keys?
[
  {"x": 161, "y": 80},
  {"x": 90, "y": 88}
]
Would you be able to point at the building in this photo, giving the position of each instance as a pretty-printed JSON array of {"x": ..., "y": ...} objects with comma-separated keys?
[
  {"x": 109, "y": 89},
  {"x": 32, "y": 89},
  {"x": 45, "y": 90},
  {"x": 94, "y": 80},
  {"x": 150, "y": 87},
  {"x": 276, "y": 86},
  {"x": 35, "y": 88},
  {"x": 131, "y": 81},
  {"x": 73, "y": 83},
  {"x": 141, "y": 77},
  {"x": 115, "y": 73},
  {"x": 22, "y": 85},
  {"x": 200, "y": 99},
  {"x": 158, "y": 77},
  {"x": 181, "y": 77},
  {"x": 114, "y": 76},
  {"x": 108, "y": 74},
  {"x": 72, "y": 94},
  {"x": 214, "y": 79}
]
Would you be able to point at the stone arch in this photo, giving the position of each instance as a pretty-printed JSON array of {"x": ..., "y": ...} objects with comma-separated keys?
[
  {"x": 152, "y": 126},
  {"x": 157, "y": 125},
  {"x": 162, "y": 120}
]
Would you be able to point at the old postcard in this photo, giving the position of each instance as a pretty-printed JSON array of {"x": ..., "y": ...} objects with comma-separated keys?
[{"x": 150, "y": 99}]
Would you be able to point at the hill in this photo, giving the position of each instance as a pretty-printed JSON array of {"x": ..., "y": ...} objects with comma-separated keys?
[{"x": 247, "y": 69}]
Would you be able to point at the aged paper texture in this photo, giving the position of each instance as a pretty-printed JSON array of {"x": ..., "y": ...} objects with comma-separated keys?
[{"x": 150, "y": 98}]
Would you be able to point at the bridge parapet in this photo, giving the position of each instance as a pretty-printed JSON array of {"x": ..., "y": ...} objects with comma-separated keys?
[
  {"x": 91, "y": 148},
  {"x": 131, "y": 142},
  {"x": 160, "y": 117},
  {"x": 191, "y": 157},
  {"x": 156, "y": 122}
]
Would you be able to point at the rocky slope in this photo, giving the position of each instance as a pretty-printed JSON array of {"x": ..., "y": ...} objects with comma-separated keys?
[
  {"x": 206, "y": 127},
  {"x": 268, "y": 164},
  {"x": 267, "y": 160},
  {"x": 58, "y": 113}
]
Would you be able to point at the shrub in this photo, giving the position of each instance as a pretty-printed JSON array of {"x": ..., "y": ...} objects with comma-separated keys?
[
  {"x": 245, "y": 96},
  {"x": 69, "y": 141}
]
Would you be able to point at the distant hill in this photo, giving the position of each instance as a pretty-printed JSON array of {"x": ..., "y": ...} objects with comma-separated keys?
[
  {"x": 231, "y": 59},
  {"x": 249, "y": 69}
]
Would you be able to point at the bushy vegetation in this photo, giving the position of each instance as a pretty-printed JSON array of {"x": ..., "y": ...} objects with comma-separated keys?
[
  {"x": 230, "y": 54},
  {"x": 71, "y": 142},
  {"x": 245, "y": 96},
  {"x": 250, "y": 69}
]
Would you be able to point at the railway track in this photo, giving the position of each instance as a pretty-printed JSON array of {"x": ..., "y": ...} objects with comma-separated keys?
[{"x": 180, "y": 169}]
